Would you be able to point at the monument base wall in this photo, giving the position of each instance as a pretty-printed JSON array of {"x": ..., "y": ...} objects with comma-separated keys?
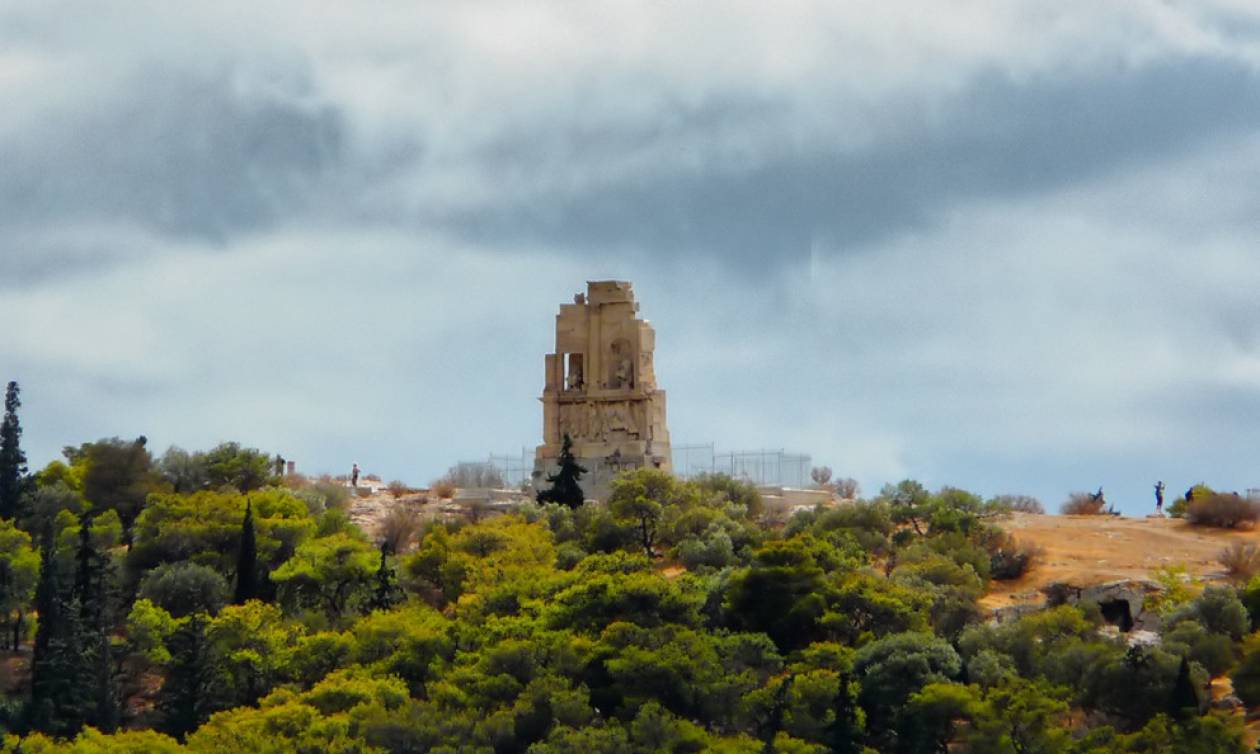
[{"x": 596, "y": 483}]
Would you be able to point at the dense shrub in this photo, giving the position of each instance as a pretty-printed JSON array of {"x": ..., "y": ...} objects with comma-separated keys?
[
  {"x": 1227, "y": 511},
  {"x": 321, "y": 494},
  {"x": 1220, "y": 611},
  {"x": 398, "y": 527},
  {"x": 1246, "y": 677},
  {"x": 1241, "y": 560},
  {"x": 1214, "y": 651},
  {"x": 443, "y": 489},
  {"x": 1178, "y": 507},
  {"x": 870, "y": 524},
  {"x": 1018, "y": 503},
  {"x": 185, "y": 588},
  {"x": 1011, "y": 559},
  {"x": 397, "y": 488},
  {"x": 1082, "y": 504}
]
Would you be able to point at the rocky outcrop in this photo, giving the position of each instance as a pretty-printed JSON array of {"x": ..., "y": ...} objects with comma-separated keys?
[{"x": 1123, "y": 602}]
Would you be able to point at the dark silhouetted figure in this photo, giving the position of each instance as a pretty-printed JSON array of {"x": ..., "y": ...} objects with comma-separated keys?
[
  {"x": 1159, "y": 498},
  {"x": 354, "y": 475}
]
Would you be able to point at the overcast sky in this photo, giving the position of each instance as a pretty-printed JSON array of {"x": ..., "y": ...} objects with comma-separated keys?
[{"x": 1009, "y": 246}]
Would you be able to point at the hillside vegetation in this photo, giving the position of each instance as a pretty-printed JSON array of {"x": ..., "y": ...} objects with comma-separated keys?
[{"x": 198, "y": 603}]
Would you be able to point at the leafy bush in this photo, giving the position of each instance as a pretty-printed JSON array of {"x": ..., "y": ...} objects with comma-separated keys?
[
  {"x": 722, "y": 488},
  {"x": 185, "y": 588},
  {"x": 1241, "y": 560},
  {"x": 229, "y": 464},
  {"x": 443, "y": 489},
  {"x": 1246, "y": 677},
  {"x": 1227, "y": 511},
  {"x": 1220, "y": 611},
  {"x": 714, "y": 550},
  {"x": 399, "y": 527},
  {"x": 847, "y": 488},
  {"x": 1082, "y": 504},
  {"x": 870, "y": 524},
  {"x": 322, "y": 494},
  {"x": 893, "y": 668},
  {"x": 1018, "y": 503},
  {"x": 1011, "y": 559},
  {"x": 205, "y": 527},
  {"x": 397, "y": 488},
  {"x": 1178, "y": 588},
  {"x": 1214, "y": 651}
]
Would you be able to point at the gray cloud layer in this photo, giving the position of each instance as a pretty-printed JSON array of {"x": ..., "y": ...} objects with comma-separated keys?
[{"x": 1009, "y": 248}]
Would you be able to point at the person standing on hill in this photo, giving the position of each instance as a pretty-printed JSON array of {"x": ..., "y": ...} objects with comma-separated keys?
[
  {"x": 354, "y": 476},
  {"x": 1159, "y": 498}
]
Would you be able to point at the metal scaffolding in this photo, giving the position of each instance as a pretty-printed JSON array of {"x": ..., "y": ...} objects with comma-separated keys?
[
  {"x": 774, "y": 468},
  {"x": 515, "y": 469}
]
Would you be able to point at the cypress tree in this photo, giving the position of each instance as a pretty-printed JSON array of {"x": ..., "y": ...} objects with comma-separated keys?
[
  {"x": 386, "y": 594},
  {"x": 193, "y": 689},
  {"x": 564, "y": 483},
  {"x": 1185, "y": 698},
  {"x": 91, "y": 592},
  {"x": 60, "y": 701},
  {"x": 12, "y": 459},
  {"x": 246, "y": 560}
]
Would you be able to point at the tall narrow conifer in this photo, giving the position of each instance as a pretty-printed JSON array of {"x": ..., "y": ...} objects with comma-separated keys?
[
  {"x": 247, "y": 560},
  {"x": 564, "y": 483},
  {"x": 60, "y": 702},
  {"x": 12, "y": 459},
  {"x": 193, "y": 689},
  {"x": 386, "y": 593},
  {"x": 91, "y": 592},
  {"x": 1185, "y": 698}
]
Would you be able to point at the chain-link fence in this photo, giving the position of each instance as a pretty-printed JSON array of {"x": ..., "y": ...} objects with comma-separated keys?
[
  {"x": 515, "y": 469},
  {"x": 776, "y": 468}
]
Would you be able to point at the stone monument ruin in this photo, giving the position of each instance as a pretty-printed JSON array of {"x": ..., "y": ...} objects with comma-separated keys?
[{"x": 601, "y": 390}]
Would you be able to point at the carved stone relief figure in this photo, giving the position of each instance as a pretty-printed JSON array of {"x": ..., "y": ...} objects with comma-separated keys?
[
  {"x": 573, "y": 381},
  {"x": 621, "y": 365},
  {"x": 575, "y": 421},
  {"x": 618, "y": 419}
]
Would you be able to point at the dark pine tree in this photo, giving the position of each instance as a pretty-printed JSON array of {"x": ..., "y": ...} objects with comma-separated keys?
[
  {"x": 12, "y": 459},
  {"x": 386, "y": 594},
  {"x": 246, "y": 560},
  {"x": 91, "y": 592},
  {"x": 193, "y": 689},
  {"x": 564, "y": 487},
  {"x": 844, "y": 734},
  {"x": 1185, "y": 698},
  {"x": 60, "y": 702}
]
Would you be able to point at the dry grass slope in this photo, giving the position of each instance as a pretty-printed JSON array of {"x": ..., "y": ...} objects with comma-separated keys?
[{"x": 1087, "y": 550}]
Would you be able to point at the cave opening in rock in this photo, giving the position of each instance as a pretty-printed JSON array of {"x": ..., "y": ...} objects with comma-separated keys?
[{"x": 1117, "y": 613}]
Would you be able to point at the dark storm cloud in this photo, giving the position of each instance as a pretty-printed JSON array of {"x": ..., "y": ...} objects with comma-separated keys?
[
  {"x": 198, "y": 154},
  {"x": 998, "y": 138},
  {"x": 1009, "y": 247}
]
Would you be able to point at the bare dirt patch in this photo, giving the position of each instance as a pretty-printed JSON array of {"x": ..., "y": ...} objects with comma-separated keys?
[{"x": 1091, "y": 550}]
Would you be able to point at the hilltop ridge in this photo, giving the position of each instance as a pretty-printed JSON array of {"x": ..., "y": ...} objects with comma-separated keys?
[{"x": 1091, "y": 550}]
